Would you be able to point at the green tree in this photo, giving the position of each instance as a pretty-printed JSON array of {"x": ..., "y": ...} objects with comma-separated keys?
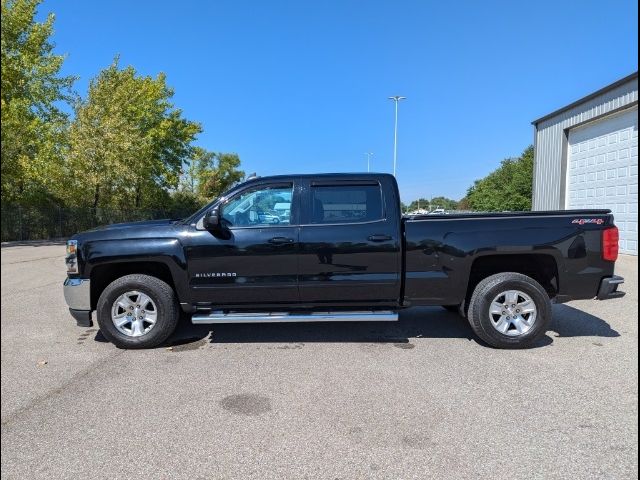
[
  {"x": 127, "y": 141},
  {"x": 183, "y": 203},
  {"x": 436, "y": 202},
  {"x": 443, "y": 202},
  {"x": 205, "y": 177},
  {"x": 507, "y": 188},
  {"x": 33, "y": 134},
  {"x": 420, "y": 204},
  {"x": 215, "y": 173},
  {"x": 463, "y": 204}
]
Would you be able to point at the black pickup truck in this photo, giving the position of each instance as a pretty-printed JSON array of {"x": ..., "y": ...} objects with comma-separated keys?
[{"x": 336, "y": 247}]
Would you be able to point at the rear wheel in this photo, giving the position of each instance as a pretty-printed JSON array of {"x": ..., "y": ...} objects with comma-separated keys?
[
  {"x": 509, "y": 310},
  {"x": 137, "y": 311}
]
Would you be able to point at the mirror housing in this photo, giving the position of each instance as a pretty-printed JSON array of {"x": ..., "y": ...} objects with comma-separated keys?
[{"x": 212, "y": 220}]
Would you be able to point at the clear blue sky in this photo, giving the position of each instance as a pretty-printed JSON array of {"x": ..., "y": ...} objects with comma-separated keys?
[{"x": 302, "y": 86}]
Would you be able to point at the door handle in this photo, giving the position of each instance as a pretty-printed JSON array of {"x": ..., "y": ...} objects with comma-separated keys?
[
  {"x": 379, "y": 238},
  {"x": 281, "y": 240}
]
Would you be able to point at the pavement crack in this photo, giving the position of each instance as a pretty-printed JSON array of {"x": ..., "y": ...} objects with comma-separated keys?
[
  {"x": 31, "y": 288},
  {"x": 17, "y": 414},
  {"x": 31, "y": 260}
]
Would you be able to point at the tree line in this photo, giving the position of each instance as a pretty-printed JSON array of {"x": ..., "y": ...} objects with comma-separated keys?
[
  {"x": 124, "y": 145},
  {"x": 431, "y": 204},
  {"x": 508, "y": 188}
]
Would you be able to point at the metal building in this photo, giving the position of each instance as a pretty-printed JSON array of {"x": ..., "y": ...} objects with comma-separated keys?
[{"x": 586, "y": 156}]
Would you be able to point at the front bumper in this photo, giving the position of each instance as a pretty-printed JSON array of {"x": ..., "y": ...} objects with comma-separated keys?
[
  {"x": 77, "y": 294},
  {"x": 609, "y": 288}
]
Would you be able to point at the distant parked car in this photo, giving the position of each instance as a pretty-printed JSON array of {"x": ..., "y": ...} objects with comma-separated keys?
[
  {"x": 268, "y": 218},
  {"x": 438, "y": 211}
]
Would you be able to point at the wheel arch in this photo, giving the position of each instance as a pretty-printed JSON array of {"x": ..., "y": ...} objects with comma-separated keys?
[
  {"x": 103, "y": 274},
  {"x": 163, "y": 258},
  {"x": 542, "y": 267}
]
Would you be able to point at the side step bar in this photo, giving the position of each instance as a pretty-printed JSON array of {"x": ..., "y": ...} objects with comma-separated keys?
[{"x": 279, "y": 317}]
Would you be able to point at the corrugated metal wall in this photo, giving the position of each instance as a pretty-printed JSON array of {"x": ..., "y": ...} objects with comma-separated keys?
[{"x": 551, "y": 142}]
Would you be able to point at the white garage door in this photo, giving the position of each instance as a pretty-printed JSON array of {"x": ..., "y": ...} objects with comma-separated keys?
[{"x": 603, "y": 172}]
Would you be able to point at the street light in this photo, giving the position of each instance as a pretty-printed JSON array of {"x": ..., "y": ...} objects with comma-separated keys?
[
  {"x": 368, "y": 154},
  {"x": 396, "y": 99}
]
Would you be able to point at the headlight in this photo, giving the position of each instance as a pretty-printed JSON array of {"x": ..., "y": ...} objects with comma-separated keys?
[{"x": 72, "y": 257}]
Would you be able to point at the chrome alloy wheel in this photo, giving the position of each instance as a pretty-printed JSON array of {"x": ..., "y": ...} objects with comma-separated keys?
[
  {"x": 512, "y": 313},
  {"x": 134, "y": 313}
]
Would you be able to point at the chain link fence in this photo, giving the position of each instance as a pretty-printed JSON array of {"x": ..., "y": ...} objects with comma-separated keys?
[{"x": 21, "y": 223}]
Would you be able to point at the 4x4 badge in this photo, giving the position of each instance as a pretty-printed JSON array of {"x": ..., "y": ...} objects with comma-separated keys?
[{"x": 582, "y": 221}]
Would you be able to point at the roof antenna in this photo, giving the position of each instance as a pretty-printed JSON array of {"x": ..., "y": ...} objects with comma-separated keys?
[{"x": 252, "y": 176}]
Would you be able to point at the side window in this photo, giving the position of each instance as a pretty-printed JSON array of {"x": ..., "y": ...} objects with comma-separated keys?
[
  {"x": 259, "y": 207},
  {"x": 346, "y": 203}
]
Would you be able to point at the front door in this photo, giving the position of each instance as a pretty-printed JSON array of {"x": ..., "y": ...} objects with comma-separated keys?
[
  {"x": 349, "y": 249},
  {"x": 255, "y": 260}
]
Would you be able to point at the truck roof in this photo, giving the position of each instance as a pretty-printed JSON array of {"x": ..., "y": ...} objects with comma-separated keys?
[{"x": 322, "y": 176}]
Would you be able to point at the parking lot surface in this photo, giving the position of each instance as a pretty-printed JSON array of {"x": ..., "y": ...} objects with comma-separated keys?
[{"x": 419, "y": 398}]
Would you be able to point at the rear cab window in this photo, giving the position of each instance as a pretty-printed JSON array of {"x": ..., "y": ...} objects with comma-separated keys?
[{"x": 346, "y": 203}]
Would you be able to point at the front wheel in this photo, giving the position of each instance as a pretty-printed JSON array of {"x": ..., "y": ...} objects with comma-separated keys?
[
  {"x": 509, "y": 310},
  {"x": 137, "y": 311}
]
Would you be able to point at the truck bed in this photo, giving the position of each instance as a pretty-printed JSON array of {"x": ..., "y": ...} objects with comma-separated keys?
[{"x": 444, "y": 252}]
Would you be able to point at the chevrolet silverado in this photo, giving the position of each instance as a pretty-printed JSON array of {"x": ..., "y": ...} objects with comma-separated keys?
[{"x": 336, "y": 247}]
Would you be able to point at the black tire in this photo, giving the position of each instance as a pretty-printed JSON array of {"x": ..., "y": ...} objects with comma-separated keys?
[
  {"x": 159, "y": 292},
  {"x": 488, "y": 289}
]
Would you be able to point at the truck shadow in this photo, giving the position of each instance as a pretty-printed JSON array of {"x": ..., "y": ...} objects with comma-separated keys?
[
  {"x": 415, "y": 323},
  {"x": 422, "y": 322},
  {"x": 572, "y": 322}
]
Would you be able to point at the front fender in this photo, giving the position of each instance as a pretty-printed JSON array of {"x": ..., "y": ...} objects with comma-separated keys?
[{"x": 168, "y": 251}]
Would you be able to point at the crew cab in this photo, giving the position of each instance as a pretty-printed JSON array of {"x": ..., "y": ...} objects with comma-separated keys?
[{"x": 335, "y": 247}]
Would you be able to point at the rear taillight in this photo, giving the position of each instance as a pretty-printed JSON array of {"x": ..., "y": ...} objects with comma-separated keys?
[{"x": 610, "y": 239}]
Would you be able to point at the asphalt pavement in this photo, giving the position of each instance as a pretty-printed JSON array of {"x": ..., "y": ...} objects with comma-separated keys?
[{"x": 419, "y": 398}]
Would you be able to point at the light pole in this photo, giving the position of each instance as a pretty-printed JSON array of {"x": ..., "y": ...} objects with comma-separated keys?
[
  {"x": 368, "y": 154},
  {"x": 396, "y": 99}
]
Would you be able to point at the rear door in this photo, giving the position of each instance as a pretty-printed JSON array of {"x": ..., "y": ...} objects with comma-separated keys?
[{"x": 349, "y": 244}]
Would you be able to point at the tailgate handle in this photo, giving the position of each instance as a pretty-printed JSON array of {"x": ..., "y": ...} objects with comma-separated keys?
[
  {"x": 379, "y": 238},
  {"x": 281, "y": 240}
]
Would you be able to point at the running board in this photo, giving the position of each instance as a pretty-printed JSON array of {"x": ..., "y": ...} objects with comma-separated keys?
[{"x": 280, "y": 317}]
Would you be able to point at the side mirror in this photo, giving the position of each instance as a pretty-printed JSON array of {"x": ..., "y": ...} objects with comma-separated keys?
[{"x": 211, "y": 220}]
